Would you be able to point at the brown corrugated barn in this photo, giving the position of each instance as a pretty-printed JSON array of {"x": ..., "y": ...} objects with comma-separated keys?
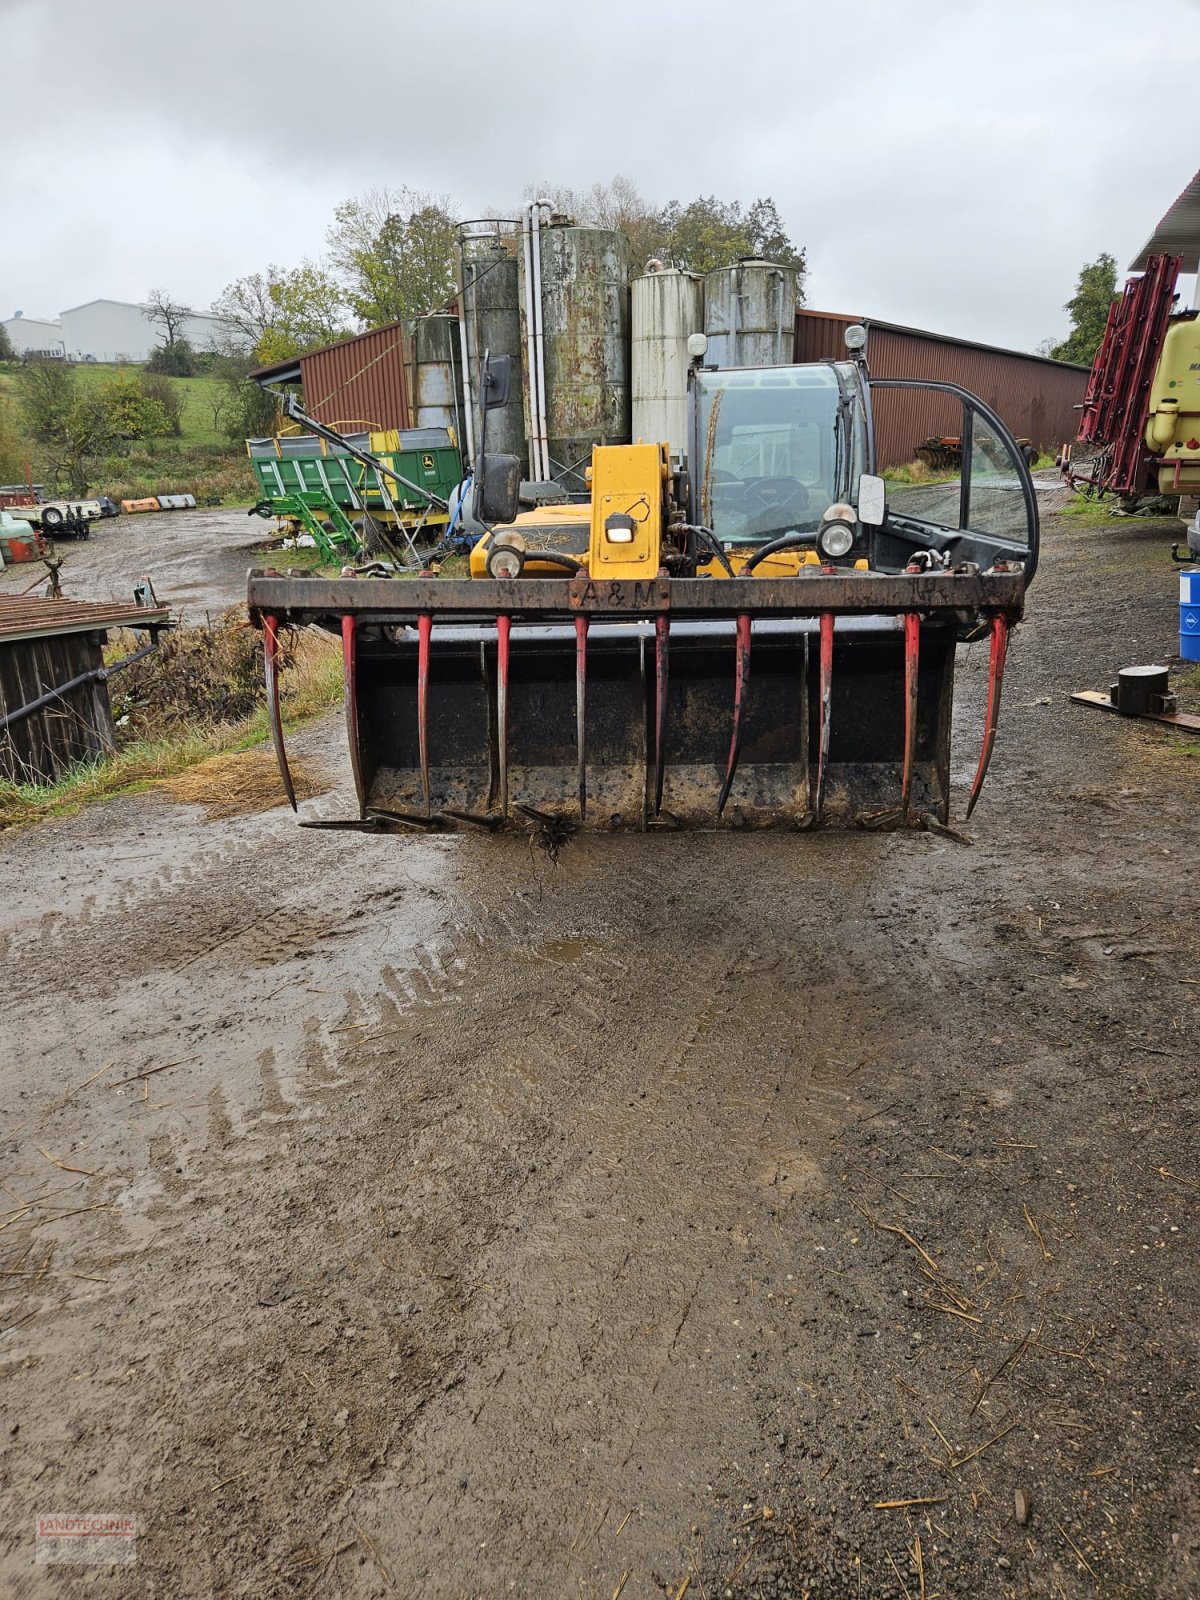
[
  {"x": 1035, "y": 398},
  {"x": 357, "y": 385}
]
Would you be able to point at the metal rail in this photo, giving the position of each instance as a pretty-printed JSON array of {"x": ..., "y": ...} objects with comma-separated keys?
[{"x": 397, "y": 600}]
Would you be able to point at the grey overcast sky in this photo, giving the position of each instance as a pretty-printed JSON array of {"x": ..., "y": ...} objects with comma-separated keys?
[{"x": 948, "y": 163}]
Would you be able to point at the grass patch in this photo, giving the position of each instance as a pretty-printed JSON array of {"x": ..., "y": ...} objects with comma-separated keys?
[
  {"x": 299, "y": 558},
  {"x": 1083, "y": 508},
  {"x": 918, "y": 472},
  {"x": 170, "y": 466},
  {"x": 165, "y": 740}
]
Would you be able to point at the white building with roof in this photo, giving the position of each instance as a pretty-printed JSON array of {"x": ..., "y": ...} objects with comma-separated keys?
[
  {"x": 107, "y": 330},
  {"x": 119, "y": 330},
  {"x": 38, "y": 336}
]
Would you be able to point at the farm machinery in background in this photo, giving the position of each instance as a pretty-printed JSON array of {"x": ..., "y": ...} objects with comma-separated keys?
[
  {"x": 1141, "y": 413},
  {"x": 358, "y": 497},
  {"x": 945, "y": 454},
  {"x": 762, "y": 634}
]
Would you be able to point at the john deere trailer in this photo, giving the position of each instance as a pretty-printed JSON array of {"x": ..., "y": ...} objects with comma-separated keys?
[{"x": 357, "y": 493}]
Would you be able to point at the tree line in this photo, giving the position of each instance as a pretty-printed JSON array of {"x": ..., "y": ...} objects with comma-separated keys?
[{"x": 390, "y": 257}]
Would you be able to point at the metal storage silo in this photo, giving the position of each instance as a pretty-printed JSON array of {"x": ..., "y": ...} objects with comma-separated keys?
[
  {"x": 665, "y": 308},
  {"x": 489, "y": 310},
  {"x": 585, "y": 344},
  {"x": 750, "y": 314},
  {"x": 437, "y": 374}
]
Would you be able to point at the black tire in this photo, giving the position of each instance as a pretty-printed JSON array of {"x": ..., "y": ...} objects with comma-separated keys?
[
  {"x": 52, "y": 517},
  {"x": 370, "y": 539}
]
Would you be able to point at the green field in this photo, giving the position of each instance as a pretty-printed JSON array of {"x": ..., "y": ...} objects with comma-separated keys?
[
  {"x": 200, "y": 461},
  {"x": 199, "y": 395}
]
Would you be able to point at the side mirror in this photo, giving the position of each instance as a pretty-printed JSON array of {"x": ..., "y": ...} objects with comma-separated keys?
[
  {"x": 497, "y": 380},
  {"x": 498, "y": 489},
  {"x": 872, "y": 500}
]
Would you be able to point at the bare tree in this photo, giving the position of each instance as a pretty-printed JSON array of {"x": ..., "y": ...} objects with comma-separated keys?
[
  {"x": 174, "y": 356},
  {"x": 618, "y": 204},
  {"x": 167, "y": 315}
]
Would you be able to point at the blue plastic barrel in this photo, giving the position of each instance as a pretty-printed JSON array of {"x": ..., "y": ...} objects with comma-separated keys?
[{"x": 1189, "y": 615}]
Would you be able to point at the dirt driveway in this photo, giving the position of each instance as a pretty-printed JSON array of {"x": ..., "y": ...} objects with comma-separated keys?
[
  {"x": 713, "y": 1215},
  {"x": 197, "y": 560}
]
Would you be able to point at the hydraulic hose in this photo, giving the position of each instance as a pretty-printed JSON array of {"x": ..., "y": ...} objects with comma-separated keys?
[
  {"x": 556, "y": 558},
  {"x": 709, "y": 539},
  {"x": 786, "y": 541}
]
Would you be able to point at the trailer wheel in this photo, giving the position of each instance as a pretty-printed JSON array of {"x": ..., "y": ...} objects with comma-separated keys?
[
  {"x": 371, "y": 540},
  {"x": 52, "y": 517}
]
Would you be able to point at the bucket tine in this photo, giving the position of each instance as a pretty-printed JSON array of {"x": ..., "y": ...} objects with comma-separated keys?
[
  {"x": 662, "y": 636},
  {"x": 271, "y": 674},
  {"x": 995, "y": 683},
  {"x": 740, "y": 688},
  {"x": 503, "y": 625},
  {"x": 424, "y": 632},
  {"x": 581, "y": 633},
  {"x": 350, "y": 680},
  {"x": 823, "y": 710},
  {"x": 912, "y": 657}
]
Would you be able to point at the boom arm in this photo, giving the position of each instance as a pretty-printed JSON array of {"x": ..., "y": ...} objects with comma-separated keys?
[{"x": 295, "y": 410}]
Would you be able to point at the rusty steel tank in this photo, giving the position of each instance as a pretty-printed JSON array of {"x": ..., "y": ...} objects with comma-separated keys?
[
  {"x": 750, "y": 314},
  {"x": 489, "y": 309},
  {"x": 584, "y": 312},
  {"x": 437, "y": 374}
]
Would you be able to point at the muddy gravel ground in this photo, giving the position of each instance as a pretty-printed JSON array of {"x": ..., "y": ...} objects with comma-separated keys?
[
  {"x": 197, "y": 560},
  {"x": 712, "y": 1215}
]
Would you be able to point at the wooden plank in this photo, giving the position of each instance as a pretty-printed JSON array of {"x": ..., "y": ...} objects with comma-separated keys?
[{"x": 1183, "y": 720}]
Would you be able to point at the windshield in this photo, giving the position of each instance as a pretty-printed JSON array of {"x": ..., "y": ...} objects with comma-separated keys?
[{"x": 774, "y": 447}]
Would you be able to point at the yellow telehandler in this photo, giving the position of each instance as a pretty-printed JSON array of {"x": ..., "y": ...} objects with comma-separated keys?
[{"x": 761, "y": 635}]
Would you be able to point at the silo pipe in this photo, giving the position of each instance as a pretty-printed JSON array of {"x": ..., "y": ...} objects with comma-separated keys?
[
  {"x": 535, "y": 467},
  {"x": 539, "y": 340},
  {"x": 462, "y": 345}
]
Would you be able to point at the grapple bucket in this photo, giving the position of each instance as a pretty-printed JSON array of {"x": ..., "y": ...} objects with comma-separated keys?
[{"x": 749, "y": 702}]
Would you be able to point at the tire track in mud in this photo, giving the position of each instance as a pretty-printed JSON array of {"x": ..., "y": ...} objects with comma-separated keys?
[{"x": 579, "y": 1342}]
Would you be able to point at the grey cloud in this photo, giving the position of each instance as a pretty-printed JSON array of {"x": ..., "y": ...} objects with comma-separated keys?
[{"x": 949, "y": 165}]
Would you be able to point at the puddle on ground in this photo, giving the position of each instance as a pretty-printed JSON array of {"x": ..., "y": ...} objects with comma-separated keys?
[{"x": 563, "y": 951}]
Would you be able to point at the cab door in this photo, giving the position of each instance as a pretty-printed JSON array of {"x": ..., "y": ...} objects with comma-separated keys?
[{"x": 978, "y": 505}]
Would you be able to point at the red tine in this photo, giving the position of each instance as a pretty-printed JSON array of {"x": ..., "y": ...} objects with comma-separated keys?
[
  {"x": 740, "y": 691},
  {"x": 995, "y": 684},
  {"x": 350, "y": 680},
  {"x": 581, "y": 633},
  {"x": 424, "y": 633},
  {"x": 912, "y": 656},
  {"x": 824, "y": 709},
  {"x": 503, "y": 624},
  {"x": 271, "y": 673}
]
